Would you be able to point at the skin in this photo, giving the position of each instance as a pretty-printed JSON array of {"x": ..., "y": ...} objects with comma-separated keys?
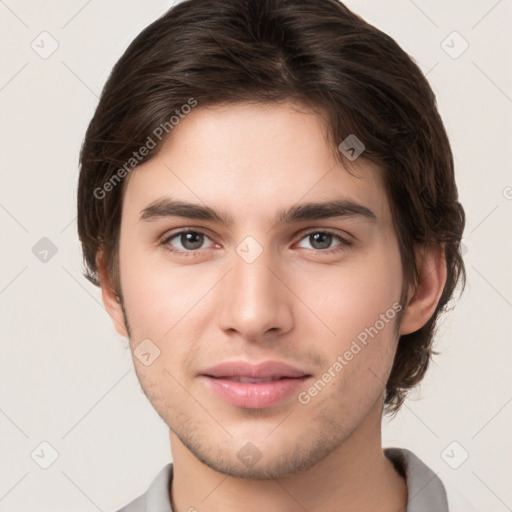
[{"x": 294, "y": 303}]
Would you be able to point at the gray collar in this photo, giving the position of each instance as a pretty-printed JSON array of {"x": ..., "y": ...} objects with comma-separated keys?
[{"x": 425, "y": 489}]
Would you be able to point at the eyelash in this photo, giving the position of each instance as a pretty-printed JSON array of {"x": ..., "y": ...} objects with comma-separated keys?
[{"x": 190, "y": 254}]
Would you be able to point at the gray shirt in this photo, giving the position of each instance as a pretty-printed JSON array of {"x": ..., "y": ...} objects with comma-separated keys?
[{"x": 426, "y": 491}]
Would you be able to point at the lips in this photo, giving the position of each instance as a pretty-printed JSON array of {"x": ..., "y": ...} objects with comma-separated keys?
[
  {"x": 250, "y": 379},
  {"x": 254, "y": 386},
  {"x": 271, "y": 370}
]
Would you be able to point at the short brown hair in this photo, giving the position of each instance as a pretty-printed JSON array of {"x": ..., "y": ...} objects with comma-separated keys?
[{"x": 318, "y": 53}]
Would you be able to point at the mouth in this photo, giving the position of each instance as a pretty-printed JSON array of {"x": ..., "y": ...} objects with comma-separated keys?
[
  {"x": 252, "y": 380},
  {"x": 272, "y": 370},
  {"x": 255, "y": 386}
]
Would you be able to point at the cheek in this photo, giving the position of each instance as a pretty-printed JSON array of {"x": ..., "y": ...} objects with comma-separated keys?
[
  {"x": 352, "y": 295},
  {"x": 359, "y": 303},
  {"x": 160, "y": 298},
  {"x": 361, "y": 307}
]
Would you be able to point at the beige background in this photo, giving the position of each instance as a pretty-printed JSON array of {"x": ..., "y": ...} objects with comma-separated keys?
[{"x": 66, "y": 376}]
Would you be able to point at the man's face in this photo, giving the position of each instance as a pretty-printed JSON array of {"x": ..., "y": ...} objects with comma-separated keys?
[{"x": 306, "y": 291}]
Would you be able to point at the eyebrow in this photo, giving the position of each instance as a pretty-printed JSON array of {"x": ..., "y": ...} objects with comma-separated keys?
[{"x": 168, "y": 208}]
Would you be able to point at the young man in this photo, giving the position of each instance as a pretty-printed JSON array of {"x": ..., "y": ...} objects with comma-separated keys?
[{"x": 267, "y": 200}]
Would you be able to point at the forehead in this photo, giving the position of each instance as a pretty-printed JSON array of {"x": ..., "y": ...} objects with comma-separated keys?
[{"x": 252, "y": 159}]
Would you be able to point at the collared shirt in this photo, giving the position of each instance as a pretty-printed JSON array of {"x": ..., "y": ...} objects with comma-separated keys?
[{"x": 426, "y": 492}]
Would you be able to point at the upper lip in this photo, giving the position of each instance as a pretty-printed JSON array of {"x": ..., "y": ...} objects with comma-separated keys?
[{"x": 263, "y": 370}]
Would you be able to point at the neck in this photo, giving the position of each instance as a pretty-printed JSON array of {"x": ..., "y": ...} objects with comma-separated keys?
[{"x": 355, "y": 477}]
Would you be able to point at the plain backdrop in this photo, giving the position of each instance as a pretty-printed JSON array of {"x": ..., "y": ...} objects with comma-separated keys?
[{"x": 67, "y": 378}]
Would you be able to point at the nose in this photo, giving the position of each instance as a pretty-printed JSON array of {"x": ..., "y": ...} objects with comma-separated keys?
[{"x": 255, "y": 301}]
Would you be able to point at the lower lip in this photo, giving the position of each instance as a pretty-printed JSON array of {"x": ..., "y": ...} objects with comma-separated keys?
[{"x": 257, "y": 395}]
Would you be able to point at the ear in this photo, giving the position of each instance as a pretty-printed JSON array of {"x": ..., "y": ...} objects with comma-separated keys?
[
  {"x": 110, "y": 299},
  {"x": 423, "y": 299}
]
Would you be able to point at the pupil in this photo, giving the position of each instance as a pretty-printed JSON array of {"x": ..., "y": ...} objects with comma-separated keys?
[
  {"x": 321, "y": 240},
  {"x": 192, "y": 240}
]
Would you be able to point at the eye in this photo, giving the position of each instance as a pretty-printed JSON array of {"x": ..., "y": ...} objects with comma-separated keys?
[
  {"x": 322, "y": 241},
  {"x": 191, "y": 242},
  {"x": 185, "y": 242}
]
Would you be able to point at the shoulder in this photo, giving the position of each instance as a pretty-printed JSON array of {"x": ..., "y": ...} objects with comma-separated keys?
[
  {"x": 425, "y": 488},
  {"x": 156, "y": 497}
]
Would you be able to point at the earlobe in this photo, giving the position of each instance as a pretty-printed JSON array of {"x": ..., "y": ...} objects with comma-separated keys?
[
  {"x": 110, "y": 298},
  {"x": 420, "y": 307}
]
